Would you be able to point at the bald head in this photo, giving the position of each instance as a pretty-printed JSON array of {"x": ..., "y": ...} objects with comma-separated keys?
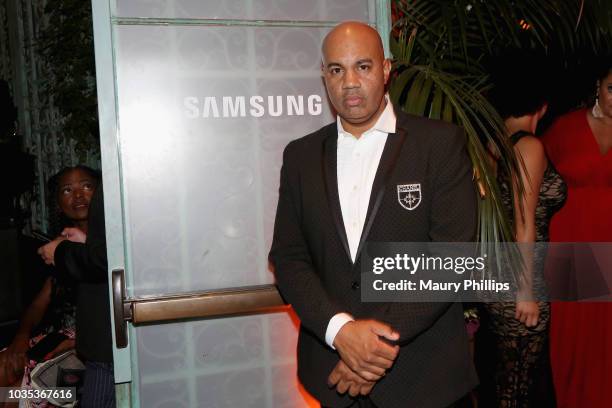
[
  {"x": 355, "y": 72},
  {"x": 349, "y": 32}
]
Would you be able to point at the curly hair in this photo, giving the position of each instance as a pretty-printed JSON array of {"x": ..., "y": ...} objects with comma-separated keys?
[
  {"x": 605, "y": 68},
  {"x": 520, "y": 83}
]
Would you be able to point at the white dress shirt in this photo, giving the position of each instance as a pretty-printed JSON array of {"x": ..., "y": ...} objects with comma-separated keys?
[{"x": 358, "y": 160}]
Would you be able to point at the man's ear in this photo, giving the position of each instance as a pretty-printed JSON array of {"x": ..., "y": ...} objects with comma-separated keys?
[{"x": 386, "y": 69}]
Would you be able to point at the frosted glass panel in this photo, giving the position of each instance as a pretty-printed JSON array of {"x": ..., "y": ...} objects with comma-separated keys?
[
  {"x": 204, "y": 115},
  {"x": 304, "y": 10},
  {"x": 240, "y": 362}
]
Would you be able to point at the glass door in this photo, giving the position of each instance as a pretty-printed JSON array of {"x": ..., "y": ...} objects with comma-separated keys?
[{"x": 197, "y": 100}]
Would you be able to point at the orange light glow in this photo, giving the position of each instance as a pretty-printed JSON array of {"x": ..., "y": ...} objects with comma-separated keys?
[{"x": 524, "y": 25}]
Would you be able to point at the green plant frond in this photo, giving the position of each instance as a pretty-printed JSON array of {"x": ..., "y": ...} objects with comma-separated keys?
[
  {"x": 447, "y": 113},
  {"x": 400, "y": 83},
  {"x": 420, "y": 12},
  {"x": 462, "y": 20},
  {"x": 449, "y": 96},
  {"x": 407, "y": 54},
  {"x": 567, "y": 26},
  {"x": 418, "y": 94},
  {"x": 435, "y": 109},
  {"x": 396, "y": 45},
  {"x": 464, "y": 28},
  {"x": 485, "y": 32},
  {"x": 440, "y": 73},
  {"x": 424, "y": 97},
  {"x": 594, "y": 26}
]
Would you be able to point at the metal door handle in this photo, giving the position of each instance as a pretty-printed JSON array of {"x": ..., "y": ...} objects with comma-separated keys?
[
  {"x": 205, "y": 304},
  {"x": 121, "y": 311}
]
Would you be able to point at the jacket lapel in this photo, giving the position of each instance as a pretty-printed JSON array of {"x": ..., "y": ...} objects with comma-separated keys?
[
  {"x": 388, "y": 160},
  {"x": 330, "y": 175}
]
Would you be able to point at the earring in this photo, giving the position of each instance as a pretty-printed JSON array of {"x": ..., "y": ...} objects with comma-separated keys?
[{"x": 597, "y": 112}]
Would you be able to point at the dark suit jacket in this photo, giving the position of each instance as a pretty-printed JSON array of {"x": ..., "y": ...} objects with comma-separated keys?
[
  {"x": 315, "y": 273},
  {"x": 87, "y": 265}
]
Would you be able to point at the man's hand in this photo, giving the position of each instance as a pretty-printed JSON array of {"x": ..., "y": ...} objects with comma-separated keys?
[
  {"x": 47, "y": 251},
  {"x": 74, "y": 235},
  {"x": 527, "y": 312},
  {"x": 345, "y": 379},
  {"x": 360, "y": 347}
]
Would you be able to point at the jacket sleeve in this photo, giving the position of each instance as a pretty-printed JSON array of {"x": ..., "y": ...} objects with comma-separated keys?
[
  {"x": 452, "y": 219},
  {"x": 296, "y": 277},
  {"x": 86, "y": 262},
  {"x": 454, "y": 210}
]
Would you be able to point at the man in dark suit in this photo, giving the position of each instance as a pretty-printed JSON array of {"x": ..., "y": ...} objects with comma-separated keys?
[{"x": 339, "y": 188}]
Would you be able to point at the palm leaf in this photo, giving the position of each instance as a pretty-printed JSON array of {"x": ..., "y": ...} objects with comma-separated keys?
[
  {"x": 449, "y": 96},
  {"x": 438, "y": 54}
]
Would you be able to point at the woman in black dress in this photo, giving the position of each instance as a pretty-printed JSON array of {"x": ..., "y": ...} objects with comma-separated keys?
[{"x": 520, "y": 328}]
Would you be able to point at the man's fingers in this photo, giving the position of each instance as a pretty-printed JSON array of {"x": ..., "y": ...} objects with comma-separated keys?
[
  {"x": 342, "y": 386},
  {"x": 375, "y": 365},
  {"x": 334, "y": 377},
  {"x": 354, "y": 390},
  {"x": 386, "y": 351},
  {"x": 349, "y": 381},
  {"x": 371, "y": 372},
  {"x": 383, "y": 363},
  {"x": 384, "y": 330},
  {"x": 370, "y": 376},
  {"x": 366, "y": 388}
]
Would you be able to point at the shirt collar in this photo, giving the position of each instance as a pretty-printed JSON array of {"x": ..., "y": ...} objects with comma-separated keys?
[{"x": 385, "y": 123}]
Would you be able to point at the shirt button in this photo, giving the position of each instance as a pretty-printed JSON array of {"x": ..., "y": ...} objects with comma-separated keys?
[
  {"x": 355, "y": 188},
  {"x": 355, "y": 285}
]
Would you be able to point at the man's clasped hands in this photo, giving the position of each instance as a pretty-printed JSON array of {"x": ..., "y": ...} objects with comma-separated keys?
[{"x": 365, "y": 356}]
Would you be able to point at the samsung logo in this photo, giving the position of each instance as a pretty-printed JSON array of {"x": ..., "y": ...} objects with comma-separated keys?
[{"x": 255, "y": 106}]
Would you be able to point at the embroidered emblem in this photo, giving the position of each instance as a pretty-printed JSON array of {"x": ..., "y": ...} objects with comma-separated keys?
[{"x": 409, "y": 195}]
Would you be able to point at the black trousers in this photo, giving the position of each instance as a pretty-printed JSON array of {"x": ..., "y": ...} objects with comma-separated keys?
[
  {"x": 367, "y": 403},
  {"x": 98, "y": 389}
]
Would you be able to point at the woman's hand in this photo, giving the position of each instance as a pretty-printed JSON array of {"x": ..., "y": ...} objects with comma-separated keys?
[
  {"x": 74, "y": 235},
  {"x": 47, "y": 251},
  {"x": 527, "y": 312},
  {"x": 65, "y": 345},
  {"x": 15, "y": 359}
]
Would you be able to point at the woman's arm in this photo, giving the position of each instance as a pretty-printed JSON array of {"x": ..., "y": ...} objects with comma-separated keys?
[
  {"x": 35, "y": 312},
  {"x": 531, "y": 151},
  {"x": 14, "y": 358}
]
